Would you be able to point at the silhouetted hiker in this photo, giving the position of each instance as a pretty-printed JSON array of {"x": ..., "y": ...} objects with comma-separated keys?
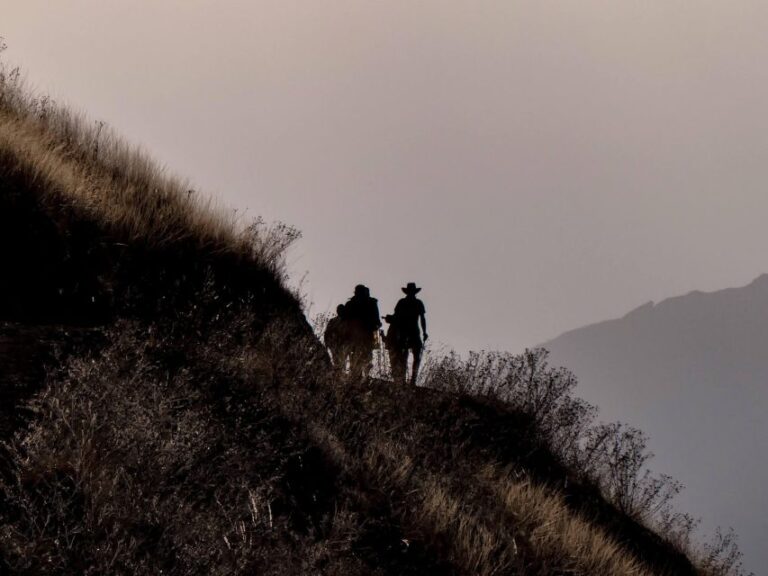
[
  {"x": 337, "y": 338},
  {"x": 396, "y": 348},
  {"x": 362, "y": 315},
  {"x": 409, "y": 312}
]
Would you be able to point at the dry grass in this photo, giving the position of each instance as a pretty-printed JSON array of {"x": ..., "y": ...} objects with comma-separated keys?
[
  {"x": 540, "y": 535},
  {"x": 556, "y": 532},
  {"x": 87, "y": 166},
  {"x": 482, "y": 518},
  {"x": 127, "y": 469},
  {"x": 474, "y": 544},
  {"x": 138, "y": 203}
]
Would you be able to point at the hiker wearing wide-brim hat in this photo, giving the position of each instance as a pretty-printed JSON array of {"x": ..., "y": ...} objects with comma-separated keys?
[{"x": 409, "y": 314}]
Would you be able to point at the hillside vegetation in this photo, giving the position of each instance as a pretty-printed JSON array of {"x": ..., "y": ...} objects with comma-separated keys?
[
  {"x": 167, "y": 408},
  {"x": 706, "y": 380}
]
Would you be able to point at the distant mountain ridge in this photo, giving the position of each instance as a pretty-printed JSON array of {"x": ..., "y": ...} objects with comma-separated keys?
[{"x": 691, "y": 371}]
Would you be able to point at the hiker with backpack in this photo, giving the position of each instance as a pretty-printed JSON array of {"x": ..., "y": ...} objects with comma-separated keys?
[{"x": 362, "y": 316}]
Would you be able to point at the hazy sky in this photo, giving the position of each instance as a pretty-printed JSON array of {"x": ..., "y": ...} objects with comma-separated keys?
[{"x": 535, "y": 165}]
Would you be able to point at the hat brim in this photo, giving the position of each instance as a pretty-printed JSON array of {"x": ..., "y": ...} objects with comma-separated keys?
[{"x": 411, "y": 290}]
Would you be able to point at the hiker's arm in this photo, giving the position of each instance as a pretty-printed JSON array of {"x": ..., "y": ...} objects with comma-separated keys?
[{"x": 424, "y": 326}]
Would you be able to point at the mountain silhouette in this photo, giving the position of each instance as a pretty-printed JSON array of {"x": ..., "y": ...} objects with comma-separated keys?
[{"x": 692, "y": 372}]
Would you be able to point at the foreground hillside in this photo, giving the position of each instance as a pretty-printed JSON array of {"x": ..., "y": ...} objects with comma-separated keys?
[
  {"x": 168, "y": 409},
  {"x": 693, "y": 366}
]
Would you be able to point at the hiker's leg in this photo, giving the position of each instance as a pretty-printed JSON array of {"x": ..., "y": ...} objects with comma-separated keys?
[
  {"x": 345, "y": 359},
  {"x": 403, "y": 366},
  {"x": 361, "y": 359},
  {"x": 340, "y": 358},
  {"x": 399, "y": 358},
  {"x": 357, "y": 362},
  {"x": 368, "y": 359},
  {"x": 417, "y": 349},
  {"x": 391, "y": 354}
]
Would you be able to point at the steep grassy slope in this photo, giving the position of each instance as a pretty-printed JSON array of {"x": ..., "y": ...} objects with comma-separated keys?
[
  {"x": 93, "y": 229},
  {"x": 186, "y": 420}
]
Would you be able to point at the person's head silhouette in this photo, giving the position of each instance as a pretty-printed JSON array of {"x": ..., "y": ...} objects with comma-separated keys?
[{"x": 411, "y": 289}]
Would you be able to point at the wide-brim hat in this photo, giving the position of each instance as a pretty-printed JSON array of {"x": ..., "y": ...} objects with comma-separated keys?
[{"x": 411, "y": 288}]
